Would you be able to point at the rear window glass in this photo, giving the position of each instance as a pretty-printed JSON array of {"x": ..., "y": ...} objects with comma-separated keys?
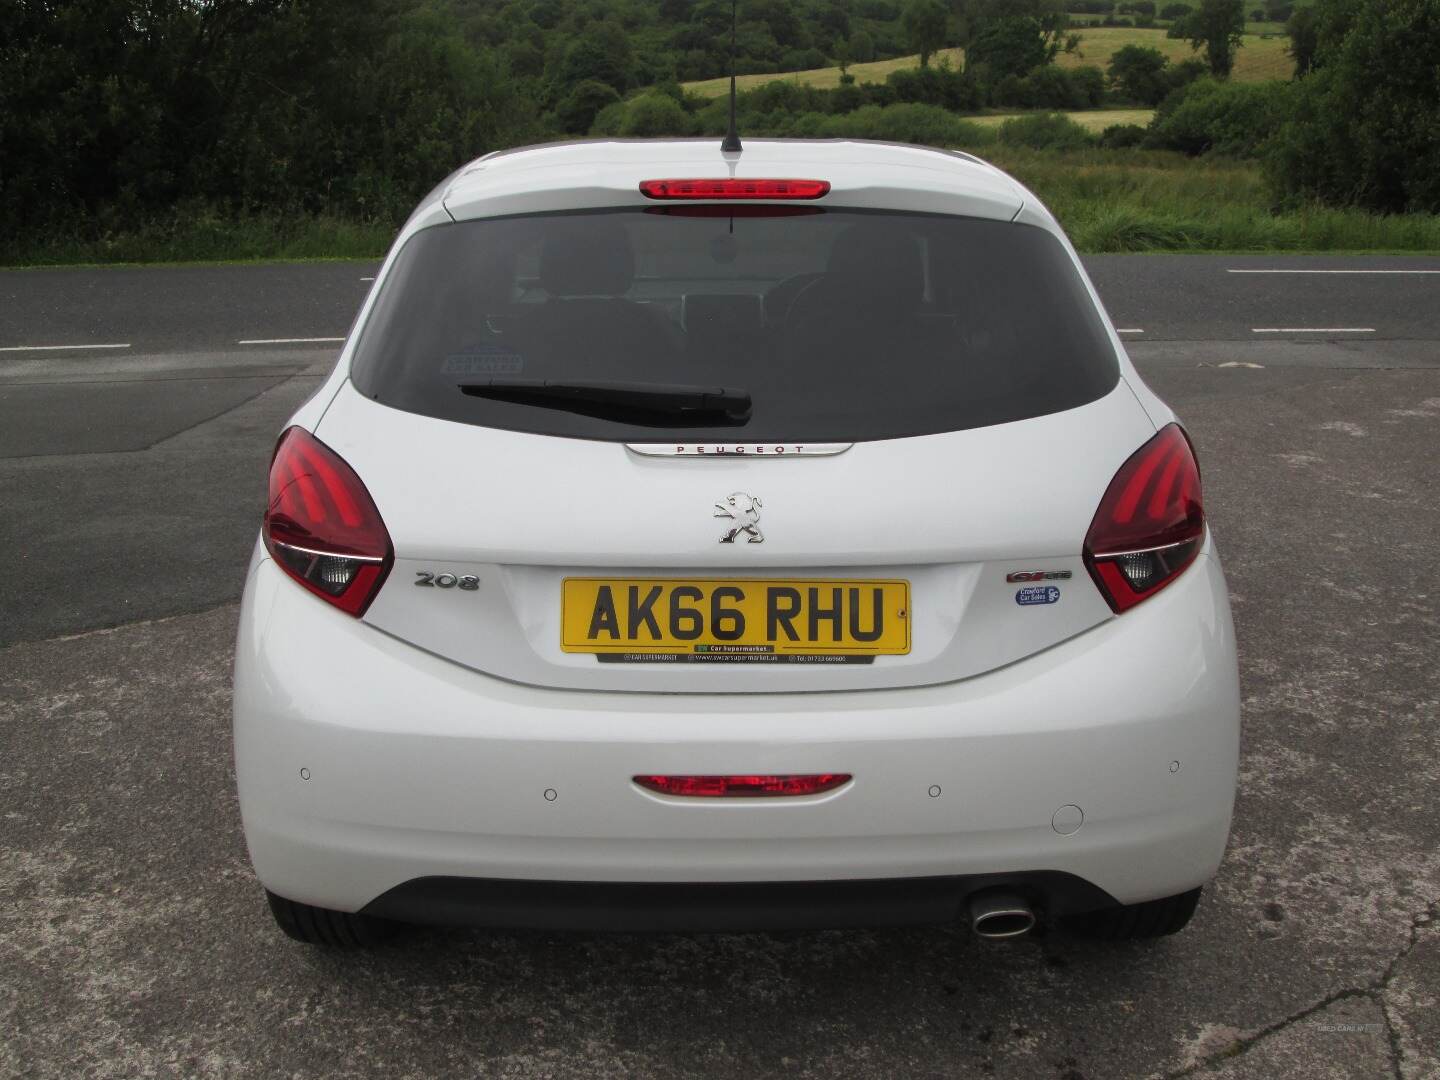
[{"x": 839, "y": 325}]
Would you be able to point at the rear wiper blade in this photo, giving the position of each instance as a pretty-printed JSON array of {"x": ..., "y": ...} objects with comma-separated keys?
[{"x": 638, "y": 402}]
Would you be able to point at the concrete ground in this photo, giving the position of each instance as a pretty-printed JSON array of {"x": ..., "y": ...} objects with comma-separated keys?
[{"x": 134, "y": 940}]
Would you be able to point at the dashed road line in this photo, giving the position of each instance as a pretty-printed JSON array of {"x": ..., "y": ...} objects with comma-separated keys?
[
  {"x": 1332, "y": 271},
  {"x": 1120, "y": 331},
  {"x": 291, "y": 341},
  {"x": 1313, "y": 330},
  {"x": 59, "y": 348}
]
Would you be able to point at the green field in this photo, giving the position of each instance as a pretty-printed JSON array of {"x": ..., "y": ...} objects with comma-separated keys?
[
  {"x": 1258, "y": 59},
  {"x": 1096, "y": 120}
]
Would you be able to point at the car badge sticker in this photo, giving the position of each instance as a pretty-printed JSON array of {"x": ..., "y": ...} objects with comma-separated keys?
[{"x": 1037, "y": 594}]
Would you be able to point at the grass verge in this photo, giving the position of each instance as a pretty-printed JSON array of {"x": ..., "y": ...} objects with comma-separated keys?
[
  {"x": 195, "y": 234},
  {"x": 1108, "y": 201},
  {"x": 1138, "y": 200}
]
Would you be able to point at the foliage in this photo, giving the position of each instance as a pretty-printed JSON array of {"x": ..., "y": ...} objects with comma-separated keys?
[
  {"x": 1362, "y": 129},
  {"x": 1228, "y": 118},
  {"x": 926, "y": 27},
  {"x": 1145, "y": 75},
  {"x": 1045, "y": 131},
  {"x": 1011, "y": 45},
  {"x": 1138, "y": 73},
  {"x": 111, "y": 110},
  {"x": 578, "y": 108},
  {"x": 1122, "y": 136},
  {"x": 1303, "y": 30},
  {"x": 1217, "y": 26}
]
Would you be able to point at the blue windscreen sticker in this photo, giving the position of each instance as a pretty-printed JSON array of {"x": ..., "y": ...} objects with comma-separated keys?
[{"x": 1037, "y": 594}]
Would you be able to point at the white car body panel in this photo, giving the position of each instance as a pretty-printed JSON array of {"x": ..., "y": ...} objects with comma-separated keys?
[
  {"x": 1134, "y": 722},
  {"x": 446, "y": 733},
  {"x": 1010, "y": 500}
]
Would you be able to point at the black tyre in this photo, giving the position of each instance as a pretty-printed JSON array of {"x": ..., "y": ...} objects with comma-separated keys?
[
  {"x": 1128, "y": 922},
  {"x": 321, "y": 926}
]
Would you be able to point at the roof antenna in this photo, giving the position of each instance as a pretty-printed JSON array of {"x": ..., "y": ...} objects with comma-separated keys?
[{"x": 731, "y": 145}]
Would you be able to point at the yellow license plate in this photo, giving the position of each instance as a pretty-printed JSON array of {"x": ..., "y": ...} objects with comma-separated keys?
[{"x": 734, "y": 618}]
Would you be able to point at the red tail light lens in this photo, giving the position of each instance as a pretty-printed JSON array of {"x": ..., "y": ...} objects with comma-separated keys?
[
  {"x": 743, "y": 787},
  {"x": 732, "y": 188},
  {"x": 1150, "y": 523},
  {"x": 322, "y": 526}
]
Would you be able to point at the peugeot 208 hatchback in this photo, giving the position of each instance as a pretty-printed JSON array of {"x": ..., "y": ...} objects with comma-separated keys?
[{"x": 701, "y": 540}]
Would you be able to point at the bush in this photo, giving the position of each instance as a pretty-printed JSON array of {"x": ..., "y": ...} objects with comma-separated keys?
[
  {"x": 1221, "y": 117},
  {"x": 1122, "y": 136},
  {"x": 1363, "y": 129},
  {"x": 577, "y": 110},
  {"x": 939, "y": 85},
  {"x": 1045, "y": 131},
  {"x": 1139, "y": 73},
  {"x": 646, "y": 116},
  {"x": 926, "y": 125}
]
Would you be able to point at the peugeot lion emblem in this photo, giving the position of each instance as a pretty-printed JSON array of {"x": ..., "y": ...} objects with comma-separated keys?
[{"x": 743, "y": 512}]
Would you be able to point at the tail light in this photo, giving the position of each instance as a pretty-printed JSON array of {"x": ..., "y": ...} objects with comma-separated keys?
[
  {"x": 744, "y": 786},
  {"x": 1150, "y": 523},
  {"x": 732, "y": 188},
  {"x": 322, "y": 526}
]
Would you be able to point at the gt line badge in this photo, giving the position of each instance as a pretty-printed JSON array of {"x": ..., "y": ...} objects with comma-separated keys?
[
  {"x": 744, "y": 514},
  {"x": 1037, "y": 575}
]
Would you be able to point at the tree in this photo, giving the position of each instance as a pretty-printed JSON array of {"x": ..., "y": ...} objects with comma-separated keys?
[
  {"x": 1139, "y": 74},
  {"x": 1014, "y": 45},
  {"x": 1362, "y": 128},
  {"x": 974, "y": 16},
  {"x": 927, "y": 24},
  {"x": 862, "y": 47},
  {"x": 577, "y": 110},
  {"x": 1304, "y": 32},
  {"x": 1217, "y": 26}
]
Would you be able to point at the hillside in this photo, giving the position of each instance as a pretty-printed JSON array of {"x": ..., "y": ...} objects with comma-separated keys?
[{"x": 1259, "y": 58}]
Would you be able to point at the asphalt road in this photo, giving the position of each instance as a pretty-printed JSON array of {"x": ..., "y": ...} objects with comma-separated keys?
[{"x": 133, "y": 939}]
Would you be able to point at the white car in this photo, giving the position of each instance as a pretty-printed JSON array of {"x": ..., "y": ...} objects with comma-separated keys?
[{"x": 696, "y": 540}]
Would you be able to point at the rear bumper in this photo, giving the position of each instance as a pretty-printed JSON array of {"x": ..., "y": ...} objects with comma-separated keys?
[
  {"x": 365, "y": 764},
  {"x": 717, "y": 905}
]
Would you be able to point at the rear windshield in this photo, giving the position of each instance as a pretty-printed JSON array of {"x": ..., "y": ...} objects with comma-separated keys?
[{"x": 838, "y": 325}]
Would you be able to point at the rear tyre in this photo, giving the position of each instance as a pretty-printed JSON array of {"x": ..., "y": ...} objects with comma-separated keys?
[
  {"x": 1130, "y": 922},
  {"x": 333, "y": 929}
]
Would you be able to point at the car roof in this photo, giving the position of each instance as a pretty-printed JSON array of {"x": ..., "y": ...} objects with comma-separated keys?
[{"x": 607, "y": 173}]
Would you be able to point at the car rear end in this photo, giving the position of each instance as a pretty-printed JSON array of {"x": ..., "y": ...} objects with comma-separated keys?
[{"x": 696, "y": 542}]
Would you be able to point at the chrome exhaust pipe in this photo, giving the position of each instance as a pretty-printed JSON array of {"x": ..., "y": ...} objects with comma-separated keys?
[{"x": 996, "y": 913}]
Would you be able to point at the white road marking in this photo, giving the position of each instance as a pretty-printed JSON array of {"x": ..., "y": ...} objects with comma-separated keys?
[
  {"x": 58, "y": 348},
  {"x": 367, "y": 279},
  {"x": 1119, "y": 331},
  {"x": 1332, "y": 271},
  {"x": 1314, "y": 330},
  {"x": 291, "y": 341}
]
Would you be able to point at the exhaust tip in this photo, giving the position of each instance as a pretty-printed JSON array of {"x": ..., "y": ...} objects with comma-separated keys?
[{"x": 998, "y": 914}]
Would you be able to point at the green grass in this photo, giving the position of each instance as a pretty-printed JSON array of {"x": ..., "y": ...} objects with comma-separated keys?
[
  {"x": 1258, "y": 59},
  {"x": 1096, "y": 120},
  {"x": 197, "y": 234},
  {"x": 1137, "y": 200},
  {"x": 1108, "y": 201}
]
